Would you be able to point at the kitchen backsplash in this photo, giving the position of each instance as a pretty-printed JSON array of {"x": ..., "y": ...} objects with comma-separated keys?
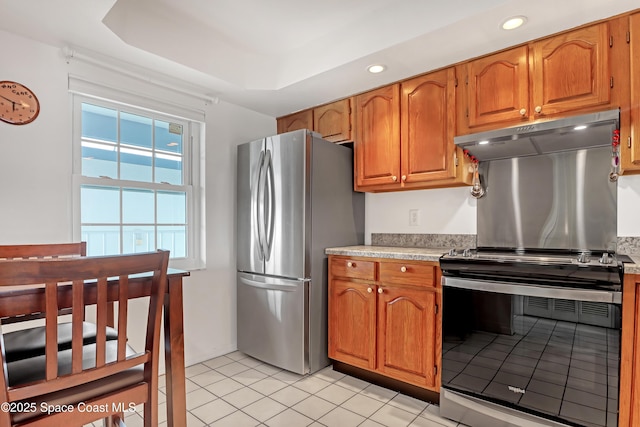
[
  {"x": 424, "y": 240},
  {"x": 629, "y": 245}
]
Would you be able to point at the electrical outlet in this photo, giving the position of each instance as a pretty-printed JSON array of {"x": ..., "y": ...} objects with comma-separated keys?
[{"x": 414, "y": 217}]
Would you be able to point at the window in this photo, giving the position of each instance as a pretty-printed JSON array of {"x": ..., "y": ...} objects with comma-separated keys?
[{"x": 134, "y": 176}]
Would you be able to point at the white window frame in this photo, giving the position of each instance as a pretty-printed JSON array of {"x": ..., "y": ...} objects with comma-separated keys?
[{"x": 192, "y": 134}]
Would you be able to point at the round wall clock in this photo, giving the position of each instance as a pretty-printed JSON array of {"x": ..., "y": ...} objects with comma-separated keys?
[{"x": 18, "y": 104}]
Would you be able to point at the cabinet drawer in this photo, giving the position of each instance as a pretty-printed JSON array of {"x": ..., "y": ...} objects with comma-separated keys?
[
  {"x": 355, "y": 269},
  {"x": 407, "y": 273}
]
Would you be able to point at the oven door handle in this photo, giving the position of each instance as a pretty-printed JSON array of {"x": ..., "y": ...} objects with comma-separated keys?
[{"x": 611, "y": 297}]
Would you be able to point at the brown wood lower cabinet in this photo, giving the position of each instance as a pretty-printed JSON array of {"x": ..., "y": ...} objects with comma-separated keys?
[
  {"x": 353, "y": 307},
  {"x": 406, "y": 334},
  {"x": 387, "y": 321},
  {"x": 630, "y": 353}
]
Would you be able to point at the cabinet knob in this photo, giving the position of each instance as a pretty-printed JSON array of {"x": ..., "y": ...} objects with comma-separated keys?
[
  {"x": 538, "y": 109},
  {"x": 369, "y": 290},
  {"x": 394, "y": 178},
  {"x": 349, "y": 264},
  {"x": 404, "y": 178},
  {"x": 403, "y": 269},
  {"x": 380, "y": 290},
  {"x": 523, "y": 111}
]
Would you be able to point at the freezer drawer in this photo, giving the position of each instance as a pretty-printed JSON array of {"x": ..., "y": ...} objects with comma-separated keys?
[{"x": 273, "y": 320}]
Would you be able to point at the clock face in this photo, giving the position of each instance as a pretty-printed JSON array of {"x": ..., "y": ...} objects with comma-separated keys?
[{"x": 18, "y": 105}]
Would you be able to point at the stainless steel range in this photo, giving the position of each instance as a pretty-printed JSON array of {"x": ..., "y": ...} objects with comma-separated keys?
[{"x": 531, "y": 317}]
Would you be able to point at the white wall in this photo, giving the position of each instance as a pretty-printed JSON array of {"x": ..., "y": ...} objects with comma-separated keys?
[
  {"x": 36, "y": 169},
  {"x": 453, "y": 210},
  {"x": 210, "y": 295},
  {"x": 441, "y": 211},
  {"x": 629, "y": 206}
]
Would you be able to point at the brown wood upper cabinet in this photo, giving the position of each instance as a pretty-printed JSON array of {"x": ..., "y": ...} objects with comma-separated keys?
[
  {"x": 377, "y": 142},
  {"x": 560, "y": 75},
  {"x": 300, "y": 120},
  {"x": 332, "y": 121},
  {"x": 427, "y": 121},
  {"x": 404, "y": 135},
  {"x": 498, "y": 88},
  {"x": 631, "y": 144}
]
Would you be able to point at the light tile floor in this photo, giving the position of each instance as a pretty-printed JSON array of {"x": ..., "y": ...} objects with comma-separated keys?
[{"x": 238, "y": 391}]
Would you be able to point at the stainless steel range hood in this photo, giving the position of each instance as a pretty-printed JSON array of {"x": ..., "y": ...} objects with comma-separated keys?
[{"x": 572, "y": 133}]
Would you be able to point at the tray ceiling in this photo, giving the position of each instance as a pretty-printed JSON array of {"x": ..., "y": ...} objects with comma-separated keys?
[{"x": 279, "y": 56}]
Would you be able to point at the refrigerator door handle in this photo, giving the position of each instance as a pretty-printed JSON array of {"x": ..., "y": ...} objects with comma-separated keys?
[
  {"x": 255, "y": 209},
  {"x": 261, "y": 220},
  {"x": 271, "y": 284},
  {"x": 270, "y": 213}
]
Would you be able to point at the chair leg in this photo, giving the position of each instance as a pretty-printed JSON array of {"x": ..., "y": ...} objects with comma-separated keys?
[
  {"x": 116, "y": 420},
  {"x": 151, "y": 414}
]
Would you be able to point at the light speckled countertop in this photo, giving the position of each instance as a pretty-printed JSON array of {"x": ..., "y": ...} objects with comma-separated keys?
[
  {"x": 426, "y": 254},
  {"x": 633, "y": 268},
  {"x": 413, "y": 254}
]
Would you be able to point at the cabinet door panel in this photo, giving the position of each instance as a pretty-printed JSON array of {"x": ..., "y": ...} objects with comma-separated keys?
[
  {"x": 352, "y": 323},
  {"x": 377, "y": 144},
  {"x": 634, "y": 158},
  {"x": 301, "y": 120},
  {"x": 333, "y": 121},
  {"x": 427, "y": 115},
  {"x": 406, "y": 334},
  {"x": 498, "y": 88},
  {"x": 571, "y": 71}
]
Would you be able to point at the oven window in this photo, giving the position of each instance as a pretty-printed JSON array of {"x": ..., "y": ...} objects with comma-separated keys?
[{"x": 551, "y": 357}]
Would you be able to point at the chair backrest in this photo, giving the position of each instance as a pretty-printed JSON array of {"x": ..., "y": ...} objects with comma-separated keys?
[
  {"x": 42, "y": 251},
  {"x": 53, "y": 250},
  {"x": 74, "y": 283}
]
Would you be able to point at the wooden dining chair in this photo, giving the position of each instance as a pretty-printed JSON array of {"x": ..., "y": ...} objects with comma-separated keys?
[
  {"x": 86, "y": 382},
  {"x": 29, "y": 342}
]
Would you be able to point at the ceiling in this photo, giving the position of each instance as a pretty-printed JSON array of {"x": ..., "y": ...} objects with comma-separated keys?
[{"x": 281, "y": 56}]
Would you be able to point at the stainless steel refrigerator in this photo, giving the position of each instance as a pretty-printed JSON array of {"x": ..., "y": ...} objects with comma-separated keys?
[{"x": 294, "y": 199}]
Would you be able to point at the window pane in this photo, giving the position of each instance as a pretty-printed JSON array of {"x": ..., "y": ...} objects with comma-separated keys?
[
  {"x": 99, "y": 123},
  {"x": 101, "y": 240},
  {"x": 172, "y": 207},
  {"x": 99, "y": 205},
  {"x": 169, "y": 168},
  {"x": 174, "y": 239},
  {"x": 137, "y": 206},
  {"x": 138, "y": 239},
  {"x": 135, "y": 165},
  {"x": 118, "y": 215},
  {"x": 136, "y": 130},
  {"x": 99, "y": 160},
  {"x": 168, "y": 137}
]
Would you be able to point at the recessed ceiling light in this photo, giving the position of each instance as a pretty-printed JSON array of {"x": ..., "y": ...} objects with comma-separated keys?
[
  {"x": 513, "y": 22},
  {"x": 580, "y": 127},
  {"x": 483, "y": 142},
  {"x": 376, "y": 68}
]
